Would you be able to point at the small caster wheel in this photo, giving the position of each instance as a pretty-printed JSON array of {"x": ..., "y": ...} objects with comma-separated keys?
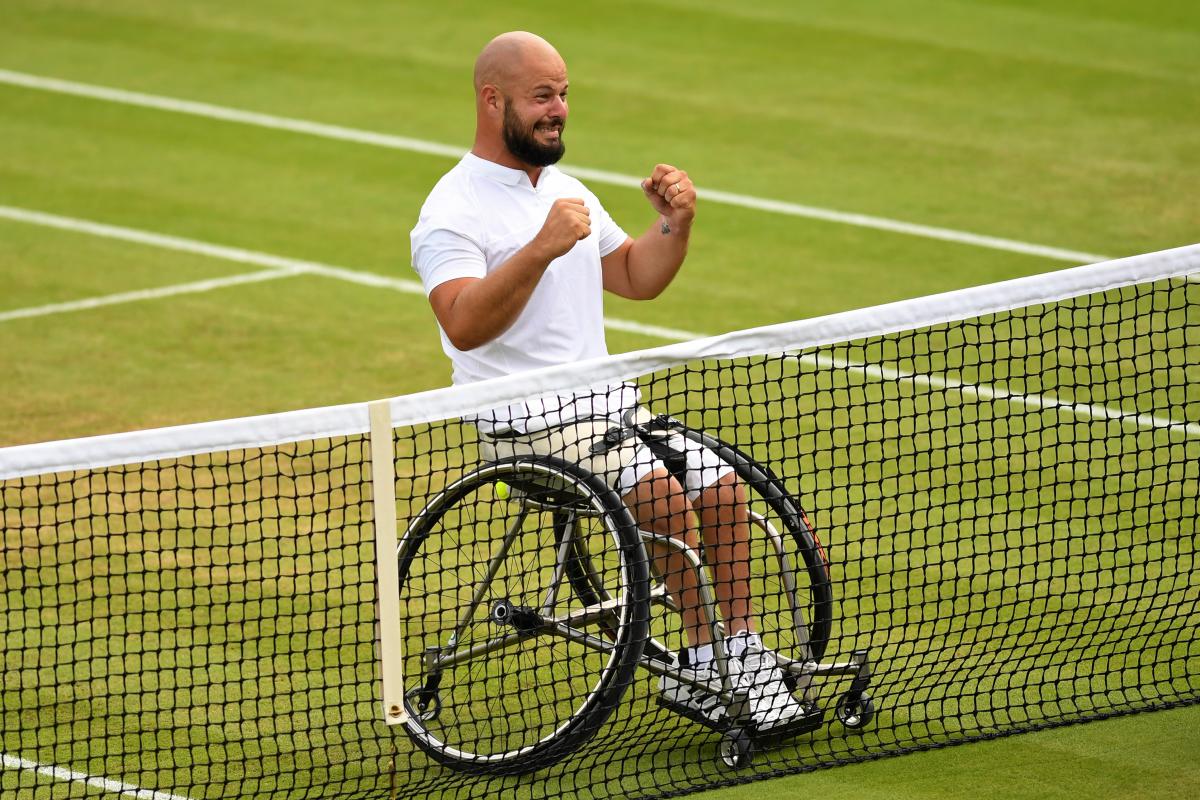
[
  {"x": 429, "y": 707},
  {"x": 736, "y": 748},
  {"x": 855, "y": 711}
]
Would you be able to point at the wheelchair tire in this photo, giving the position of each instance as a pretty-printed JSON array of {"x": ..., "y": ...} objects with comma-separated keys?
[
  {"x": 813, "y": 577},
  {"x": 761, "y": 481},
  {"x": 507, "y": 670}
]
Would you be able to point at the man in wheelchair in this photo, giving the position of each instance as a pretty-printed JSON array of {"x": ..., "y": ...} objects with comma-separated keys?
[
  {"x": 670, "y": 483},
  {"x": 514, "y": 255}
]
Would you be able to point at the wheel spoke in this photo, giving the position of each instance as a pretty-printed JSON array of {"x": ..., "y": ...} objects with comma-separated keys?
[{"x": 514, "y": 684}]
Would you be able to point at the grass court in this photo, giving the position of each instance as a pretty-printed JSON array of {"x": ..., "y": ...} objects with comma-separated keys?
[{"x": 1066, "y": 125}]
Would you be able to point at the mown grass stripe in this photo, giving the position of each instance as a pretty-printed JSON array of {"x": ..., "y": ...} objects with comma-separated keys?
[{"x": 376, "y": 139}]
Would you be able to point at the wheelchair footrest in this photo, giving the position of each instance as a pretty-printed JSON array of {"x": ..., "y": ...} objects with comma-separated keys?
[
  {"x": 695, "y": 715},
  {"x": 809, "y": 722}
]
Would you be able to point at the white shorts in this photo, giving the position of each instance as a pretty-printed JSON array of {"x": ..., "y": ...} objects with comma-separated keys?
[{"x": 623, "y": 465}]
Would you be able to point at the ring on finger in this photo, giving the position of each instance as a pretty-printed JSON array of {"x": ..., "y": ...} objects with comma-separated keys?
[{"x": 678, "y": 188}]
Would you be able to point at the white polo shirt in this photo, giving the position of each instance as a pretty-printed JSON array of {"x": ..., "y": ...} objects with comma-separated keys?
[{"x": 476, "y": 218}]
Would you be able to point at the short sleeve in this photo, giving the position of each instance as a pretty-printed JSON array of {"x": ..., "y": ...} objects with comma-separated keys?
[
  {"x": 440, "y": 255},
  {"x": 609, "y": 235}
]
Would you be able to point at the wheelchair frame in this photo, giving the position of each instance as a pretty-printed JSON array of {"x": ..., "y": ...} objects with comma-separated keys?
[{"x": 570, "y": 494}]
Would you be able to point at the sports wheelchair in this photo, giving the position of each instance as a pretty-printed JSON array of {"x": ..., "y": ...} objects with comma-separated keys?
[{"x": 528, "y": 607}]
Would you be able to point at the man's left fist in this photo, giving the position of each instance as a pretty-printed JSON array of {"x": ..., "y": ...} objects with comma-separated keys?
[{"x": 671, "y": 193}]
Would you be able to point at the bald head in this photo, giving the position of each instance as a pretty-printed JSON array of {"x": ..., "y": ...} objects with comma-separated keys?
[
  {"x": 520, "y": 102},
  {"x": 511, "y": 56}
]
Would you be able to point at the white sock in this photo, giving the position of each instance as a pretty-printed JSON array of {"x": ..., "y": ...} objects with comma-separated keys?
[
  {"x": 736, "y": 645},
  {"x": 699, "y": 656}
]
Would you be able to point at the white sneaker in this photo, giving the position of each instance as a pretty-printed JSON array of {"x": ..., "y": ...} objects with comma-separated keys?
[
  {"x": 691, "y": 701},
  {"x": 772, "y": 706},
  {"x": 773, "y": 710}
]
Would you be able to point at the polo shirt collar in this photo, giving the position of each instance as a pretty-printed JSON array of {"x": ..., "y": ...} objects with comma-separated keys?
[{"x": 499, "y": 172}]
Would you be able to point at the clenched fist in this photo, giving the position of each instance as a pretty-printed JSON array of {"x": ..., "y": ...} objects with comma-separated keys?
[
  {"x": 568, "y": 221},
  {"x": 671, "y": 193}
]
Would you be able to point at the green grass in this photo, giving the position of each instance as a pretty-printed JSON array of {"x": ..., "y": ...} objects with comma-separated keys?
[
  {"x": 1134, "y": 757},
  {"x": 1068, "y": 124}
]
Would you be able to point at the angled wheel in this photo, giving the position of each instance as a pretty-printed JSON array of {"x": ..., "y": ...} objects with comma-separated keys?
[
  {"x": 507, "y": 669},
  {"x": 773, "y": 508},
  {"x": 797, "y": 621}
]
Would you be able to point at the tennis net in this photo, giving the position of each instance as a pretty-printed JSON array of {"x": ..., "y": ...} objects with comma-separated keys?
[{"x": 960, "y": 517}]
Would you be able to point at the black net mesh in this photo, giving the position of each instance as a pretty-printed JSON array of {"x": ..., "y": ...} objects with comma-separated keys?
[{"x": 967, "y": 530}]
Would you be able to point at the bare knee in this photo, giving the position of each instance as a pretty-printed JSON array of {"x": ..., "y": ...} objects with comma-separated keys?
[
  {"x": 659, "y": 503},
  {"x": 722, "y": 503}
]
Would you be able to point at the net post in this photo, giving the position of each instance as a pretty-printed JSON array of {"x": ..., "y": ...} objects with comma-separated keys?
[{"x": 383, "y": 484}]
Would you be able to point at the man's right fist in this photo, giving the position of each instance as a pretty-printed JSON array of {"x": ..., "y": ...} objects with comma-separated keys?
[{"x": 568, "y": 221}]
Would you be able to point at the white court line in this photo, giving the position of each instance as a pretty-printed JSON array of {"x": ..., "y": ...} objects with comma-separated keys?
[
  {"x": 287, "y": 266},
  {"x": 279, "y": 266},
  {"x": 146, "y": 294},
  {"x": 235, "y": 254},
  {"x": 986, "y": 392},
  {"x": 390, "y": 141},
  {"x": 107, "y": 784}
]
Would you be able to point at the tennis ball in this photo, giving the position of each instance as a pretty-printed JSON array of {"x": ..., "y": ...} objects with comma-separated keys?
[{"x": 502, "y": 490}]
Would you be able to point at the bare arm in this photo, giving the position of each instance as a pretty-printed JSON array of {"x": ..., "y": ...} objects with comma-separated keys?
[
  {"x": 474, "y": 311},
  {"x": 642, "y": 268}
]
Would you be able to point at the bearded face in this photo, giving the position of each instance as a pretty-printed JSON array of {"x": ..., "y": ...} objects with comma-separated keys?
[{"x": 538, "y": 143}]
